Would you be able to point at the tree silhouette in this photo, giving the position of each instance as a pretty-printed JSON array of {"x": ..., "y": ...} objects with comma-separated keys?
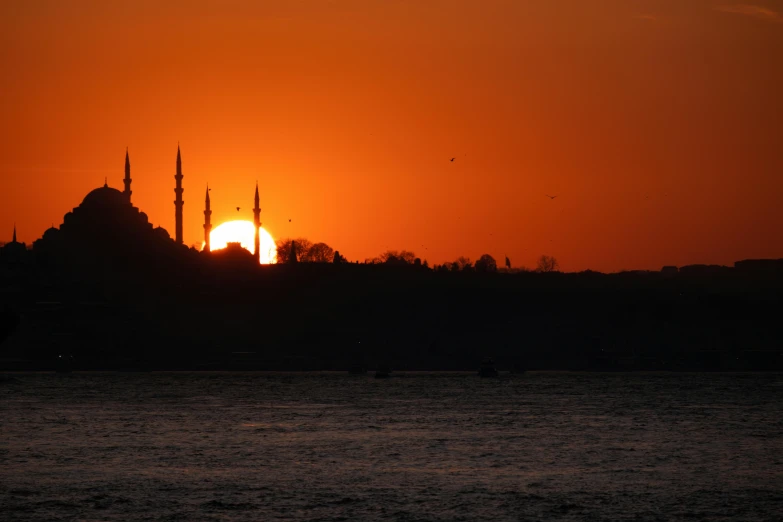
[
  {"x": 284, "y": 249},
  {"x": 462, "y": 264},
  {"x": 319, "y": 253},
  {"x": 393, "y": 257},
  {"x": 302, "y": 249},
  {"x": 408, "y": 257},
  {"x": 547, "y": 264},
  {"x": 486, "y": 263}
]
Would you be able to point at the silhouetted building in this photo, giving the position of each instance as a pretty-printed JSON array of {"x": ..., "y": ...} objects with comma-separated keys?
[
  {"x": 257, "y": 225},
  {"x": 13, "y": 252},
  {"x": 105, "y": 229},
  {"x": 178, "y": 203},
  {"x": 49, "y": 241},
  {"x": 234, "y": 256},
  {"x": 704, "y": 270},
  {"x": 207, "y": 223},
  {"x": 127, "y": 179},
  {"x": 669, "y": 270},
  {"x": 760, "y": 266}
]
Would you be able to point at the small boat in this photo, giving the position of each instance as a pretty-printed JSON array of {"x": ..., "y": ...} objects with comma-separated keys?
[
  {"x": 487, "y": 368},
  {"x": 382, "y": 372}
]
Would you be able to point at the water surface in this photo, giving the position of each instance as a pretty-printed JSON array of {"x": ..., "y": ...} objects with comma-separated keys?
[{"x": 541, "y": 446}]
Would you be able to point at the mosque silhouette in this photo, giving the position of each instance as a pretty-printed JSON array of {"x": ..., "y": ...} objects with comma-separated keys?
[{"x": 107, "y": 225}]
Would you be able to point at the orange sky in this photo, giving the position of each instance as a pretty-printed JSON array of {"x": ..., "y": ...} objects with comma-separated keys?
[{"x": 658, "y": 123}]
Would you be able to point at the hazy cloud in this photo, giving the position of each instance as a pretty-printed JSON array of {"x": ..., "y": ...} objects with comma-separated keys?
[{"x": 752, "y": 10}]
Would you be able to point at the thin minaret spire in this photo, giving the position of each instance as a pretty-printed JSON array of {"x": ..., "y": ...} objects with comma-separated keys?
[
  {"x": 14, "y": 238},
  {"x": 257, "y": 226},
  {"x": 207, "y": 222},
  {"x": 178, "y": 203},
  {"x": 127, "y": 180}
]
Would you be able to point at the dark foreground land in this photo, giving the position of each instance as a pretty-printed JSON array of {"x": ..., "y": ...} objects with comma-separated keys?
[{"x": 335, "y": 316}]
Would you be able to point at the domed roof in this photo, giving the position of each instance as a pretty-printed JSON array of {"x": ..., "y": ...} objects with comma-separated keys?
[
  {"x": 162, "y": 232},
  {"x": 105, "y": 197},
  {"x": 51, "y": 232},
  {"x": 14, "y": 247}
]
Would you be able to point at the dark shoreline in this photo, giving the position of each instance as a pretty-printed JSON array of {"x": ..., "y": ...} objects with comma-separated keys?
[{"x": 336, "y": 317}]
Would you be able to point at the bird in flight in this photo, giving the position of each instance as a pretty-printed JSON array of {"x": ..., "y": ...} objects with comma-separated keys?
[
  {"x": 237, "y": 209},
  {"x": 289, "y": 220},
  {"x": 452, "y": 159},
  {"x": 550, "y": 197}
]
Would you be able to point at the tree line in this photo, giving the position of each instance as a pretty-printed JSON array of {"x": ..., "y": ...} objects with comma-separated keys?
[{"x": 301, "y": 250}]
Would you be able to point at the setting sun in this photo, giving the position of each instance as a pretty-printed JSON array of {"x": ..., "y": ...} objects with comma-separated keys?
[{"x": 243, "y": 232}]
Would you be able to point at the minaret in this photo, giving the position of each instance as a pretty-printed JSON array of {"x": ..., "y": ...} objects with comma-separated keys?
[
  {"x": 207, "y": 223},
  {"x": 178, "y": 203},
  {"x": 257, "y": 225},
  {"x": 14, "y": 239},
  {"x": 127, "y": 191}
]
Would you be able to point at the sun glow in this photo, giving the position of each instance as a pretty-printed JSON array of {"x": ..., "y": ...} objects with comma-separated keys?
[{"x": 244, "y": 233}]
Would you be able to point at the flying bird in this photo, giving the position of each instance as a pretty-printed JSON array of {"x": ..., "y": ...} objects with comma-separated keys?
[
  {"x": 452, "y": 159},
  {"x": 550, "y": 197},
  {"x": 237, "y": 209},
  {"x": 289, "y": 220}
]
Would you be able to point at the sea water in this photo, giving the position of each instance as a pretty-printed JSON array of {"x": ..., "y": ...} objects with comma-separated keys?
[{"x": 255, "y": 446}]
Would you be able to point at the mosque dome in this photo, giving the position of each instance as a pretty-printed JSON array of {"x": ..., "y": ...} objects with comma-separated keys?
[
  {"x": 162, "y": 233},
  {"x": 105, "y": 197},
  {"x": 51, "y": 233}
]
